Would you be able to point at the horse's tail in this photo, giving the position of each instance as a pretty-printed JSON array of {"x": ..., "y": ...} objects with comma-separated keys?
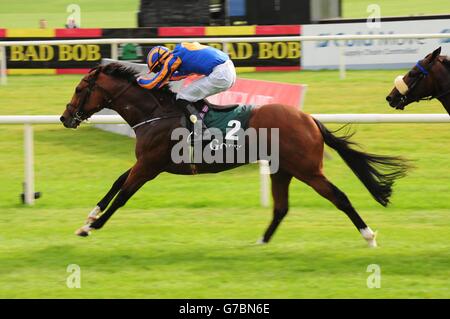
[{"x": 376, "y": 172}]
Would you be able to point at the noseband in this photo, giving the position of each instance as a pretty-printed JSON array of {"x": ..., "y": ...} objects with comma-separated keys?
[{"x": 80, "y": 114}]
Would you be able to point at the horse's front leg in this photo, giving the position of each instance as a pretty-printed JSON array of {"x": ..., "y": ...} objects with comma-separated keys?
[
  {"x": 137, "y": 176},
  {"x": 104, "y": 202}
]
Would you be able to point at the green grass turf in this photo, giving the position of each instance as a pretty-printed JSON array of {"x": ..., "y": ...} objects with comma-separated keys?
[
  {"x": 94, "y": 14},
  {"x": 115, "y": 14},
  {"x": 187, "y": 237},
  {"x": 358, "y": 8}
]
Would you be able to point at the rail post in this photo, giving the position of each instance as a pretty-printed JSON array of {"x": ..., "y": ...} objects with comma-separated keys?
[
  {"x": 3, "y": 79},
  {"x": 114, "y": 51},
  {"x": 341, "y": 62},
  {"x": 225, "y": 47},
  {"x": 29, "y": 164}
]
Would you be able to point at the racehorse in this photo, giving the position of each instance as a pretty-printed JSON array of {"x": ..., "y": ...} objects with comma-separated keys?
[
  {"x": 153, "y": 115},
  {"x": 428, "y": 79}
]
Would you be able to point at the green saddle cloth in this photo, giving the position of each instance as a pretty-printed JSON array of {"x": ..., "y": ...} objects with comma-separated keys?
[{"x": 220, "y": 118}]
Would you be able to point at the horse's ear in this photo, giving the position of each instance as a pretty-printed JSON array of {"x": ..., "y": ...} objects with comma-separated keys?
[
  {"x": 435, "y": 53},
  {"x": 94, "y": 71},
  {"x": 97, "y": 71}
]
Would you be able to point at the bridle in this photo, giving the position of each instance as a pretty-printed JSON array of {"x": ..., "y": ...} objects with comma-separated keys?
[
  {"x": 424, "y": 71},
  {"x": 80, "y": 114}
]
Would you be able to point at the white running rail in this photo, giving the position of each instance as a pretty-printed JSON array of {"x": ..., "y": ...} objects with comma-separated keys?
[
  {"x": 115, "y": 42},
  {"x": 29, "y": 120}
]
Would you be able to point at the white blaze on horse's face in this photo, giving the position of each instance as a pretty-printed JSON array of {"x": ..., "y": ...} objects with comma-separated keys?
[{"x": 400, "y": 85}]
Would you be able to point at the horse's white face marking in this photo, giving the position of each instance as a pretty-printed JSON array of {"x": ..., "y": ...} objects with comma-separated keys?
[{"x": 400, "y": 85}]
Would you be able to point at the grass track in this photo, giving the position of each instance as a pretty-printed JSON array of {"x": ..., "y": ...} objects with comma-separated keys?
[
  {"x": 187, "y": 237},
  {"x": 123, "y": 13},
  {"x": 94, "y": 14},
  {"x": 209, "y": 253},
  {"x": 358, "y": 8}
]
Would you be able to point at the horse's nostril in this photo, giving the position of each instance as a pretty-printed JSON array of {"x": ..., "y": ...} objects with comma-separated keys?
[
  {"x": 62, "y": 119},
  {"x": 388, "y": 98}
]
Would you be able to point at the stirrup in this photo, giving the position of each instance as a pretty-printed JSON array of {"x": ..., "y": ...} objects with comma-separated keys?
[
  {"x": 193, "y": 113},
  {"x": 193, "y": 118}
]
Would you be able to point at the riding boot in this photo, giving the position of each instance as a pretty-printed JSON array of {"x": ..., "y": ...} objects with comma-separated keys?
[
  {"x": 193, "y": 116},
  {"x": 185, "y": 105}
]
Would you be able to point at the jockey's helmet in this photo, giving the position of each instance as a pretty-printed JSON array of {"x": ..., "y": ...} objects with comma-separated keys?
[{"x": 156, "y": 57}]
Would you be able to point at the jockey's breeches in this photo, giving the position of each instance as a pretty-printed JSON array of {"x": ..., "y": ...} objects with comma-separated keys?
[{"x": 220, "y": 79}]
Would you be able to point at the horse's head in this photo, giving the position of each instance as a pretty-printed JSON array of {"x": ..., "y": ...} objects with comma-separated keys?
[
  {"x": 86, "y": 100},
  {"x": 423, "y": 81},
  {"x": 104, "y": 86}
]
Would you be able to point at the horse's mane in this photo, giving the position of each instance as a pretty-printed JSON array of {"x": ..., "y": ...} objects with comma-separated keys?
[
  {"x": 123, "y": 72},
  {"x": 119, "y": 71}
]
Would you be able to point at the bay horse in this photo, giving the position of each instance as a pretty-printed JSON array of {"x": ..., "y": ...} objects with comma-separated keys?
[
  {"x": 428, "y": 79},
  {"x": 153, "y": 115}
]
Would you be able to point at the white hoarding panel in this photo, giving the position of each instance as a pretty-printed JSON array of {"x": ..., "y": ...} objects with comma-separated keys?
[{"x": 369, "y": 54}]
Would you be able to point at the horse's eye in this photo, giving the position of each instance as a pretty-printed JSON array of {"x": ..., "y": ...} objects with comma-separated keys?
[{"x": 77, "y": 90}]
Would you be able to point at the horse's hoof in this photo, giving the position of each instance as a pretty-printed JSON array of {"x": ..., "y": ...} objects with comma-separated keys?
[
  {"x": 370, "y": 236},
  {"x": 261, "y": 242},
  {"x": 372, "y": 244},
  {"x": 83, "y": 231},
  {"x": 373, "y": 241}
]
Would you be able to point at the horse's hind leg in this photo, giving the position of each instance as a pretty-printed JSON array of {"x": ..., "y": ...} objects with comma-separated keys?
[
  {"x": 104, "y": 202},
  {"x": 325, "y": 188},
  {"x": 280, "y": 194}
]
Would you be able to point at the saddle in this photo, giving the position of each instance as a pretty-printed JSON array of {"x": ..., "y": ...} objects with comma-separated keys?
[{"x": 203, "y": 107}]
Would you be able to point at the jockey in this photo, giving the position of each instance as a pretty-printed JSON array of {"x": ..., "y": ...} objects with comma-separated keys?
[{"x": 186, "y": 59}]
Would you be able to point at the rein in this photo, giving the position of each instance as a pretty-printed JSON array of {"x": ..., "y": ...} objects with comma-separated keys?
[
  {"x": 134, "y": 127},
  {"x": 80, "y": 114},
  {"x": 158, "y": 104}
]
